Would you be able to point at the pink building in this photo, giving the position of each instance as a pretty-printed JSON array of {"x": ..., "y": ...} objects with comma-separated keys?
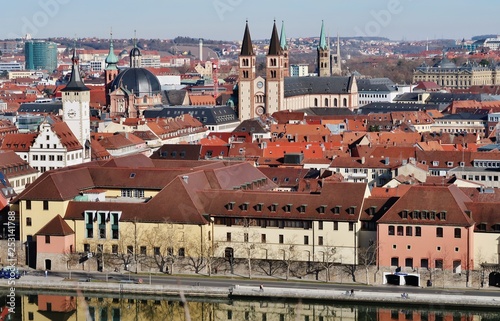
[
  {"x": 428, "y": 227},
  {"x": 52, "y": 240}
]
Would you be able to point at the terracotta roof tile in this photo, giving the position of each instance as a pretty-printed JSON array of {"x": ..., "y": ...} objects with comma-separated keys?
[{"x": 56, "y": 227}]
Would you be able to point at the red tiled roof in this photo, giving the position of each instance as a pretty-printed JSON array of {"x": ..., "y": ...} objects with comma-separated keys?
[{"x": 56, "y": 227}]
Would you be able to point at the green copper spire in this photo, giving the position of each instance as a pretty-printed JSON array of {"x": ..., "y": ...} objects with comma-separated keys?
[
  {"x": 111, "y": 59},
  {"x": 283, "y": 43},
  {"x": 322, "y": 37}
]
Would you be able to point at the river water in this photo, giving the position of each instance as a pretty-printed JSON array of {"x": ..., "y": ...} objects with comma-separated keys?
[{"x": 106, "y": 307}]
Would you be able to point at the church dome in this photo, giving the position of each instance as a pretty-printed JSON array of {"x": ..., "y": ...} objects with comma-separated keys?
[
  {"x": 135, "y": 52},
  {"x": 446, "y": 63},
  {"x": 140, "y": 81}
]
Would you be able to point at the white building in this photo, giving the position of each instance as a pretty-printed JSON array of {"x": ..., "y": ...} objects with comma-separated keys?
[{"x": 299, "y": 70}]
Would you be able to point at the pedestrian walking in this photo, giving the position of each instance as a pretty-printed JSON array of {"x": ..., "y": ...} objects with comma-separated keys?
[
  {"x": 46, "y": 273},
  {"x": 261, "y": 288},
  {"x": 352, "y": 292}
]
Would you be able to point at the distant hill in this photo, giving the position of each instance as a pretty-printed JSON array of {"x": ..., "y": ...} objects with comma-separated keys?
[{"x": 482, "y": 37}]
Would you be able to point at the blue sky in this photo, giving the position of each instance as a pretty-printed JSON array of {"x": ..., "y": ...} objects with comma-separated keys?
[{"x": 225, "y": 19}]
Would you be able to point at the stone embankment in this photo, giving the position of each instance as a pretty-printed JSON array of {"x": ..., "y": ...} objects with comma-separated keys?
[{"x": 446, "y": 298}]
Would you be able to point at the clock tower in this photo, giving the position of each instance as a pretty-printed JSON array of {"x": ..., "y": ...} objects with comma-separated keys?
[
  {"x": 246, "y": 78},
  {"x": 76, "y": 107}
]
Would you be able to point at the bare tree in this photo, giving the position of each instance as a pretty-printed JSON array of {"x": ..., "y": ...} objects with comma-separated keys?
[
  {"x": 201, "y": 255},
  {"x": 367, "y": 257},
  {"x": 124, "y": 251},
  {"x": 290, "y": 255},
  {"x": 167, "y": 244},
  {"x": 248, "y": 247},
  {"x": 327, "y": 260}
]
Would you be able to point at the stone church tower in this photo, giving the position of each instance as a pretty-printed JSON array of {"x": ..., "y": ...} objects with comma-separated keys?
[
  {"x": 324, "y": 67},
  {"x": 246, "y": 83},
  {"x": 275, "y": 74},
  {"x": 284, "y": 49},
  {"x": 111, "y": 70}
]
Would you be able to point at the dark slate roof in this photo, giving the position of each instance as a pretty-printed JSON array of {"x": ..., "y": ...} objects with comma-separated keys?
[
  {"x": 296, "y": 86},
  {"x": 376, "y": 84},
  {"x": 383, "y": 107},
  {"x": 75, "y": 82},
  {"x": 246, "y": 46},
  {"x": 441, "y": 98},
  {"x": 252, "y": 126},
  {"x": 326, "y": 111},
  {"x": 466, "y": 116},
  {"x": 208, "y": 115},
  {"x": 49, "y": 108},
  {"x": 139, "y": 80},
  {"x": 274, "y": 44},
  {"x": 173, "y": 97},
  {"x": 178, "y": 151}
]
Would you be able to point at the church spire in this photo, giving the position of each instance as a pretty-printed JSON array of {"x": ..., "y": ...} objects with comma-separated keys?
[
  {"x": 75, "y": 82},
  {"x": 246, "y": 46},
  {"x": 111, "y": 59},
  {"x": 322, "y": 37},
  {"x": 283, "y": 44},
  {"x": 274, "y": 44}
]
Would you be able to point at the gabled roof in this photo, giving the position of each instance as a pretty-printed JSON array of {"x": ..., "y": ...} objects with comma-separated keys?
[
  {"x": 66, "y": 136},
  {"x": 56, "y": 227},
  {"x": 448, "y": 199}
]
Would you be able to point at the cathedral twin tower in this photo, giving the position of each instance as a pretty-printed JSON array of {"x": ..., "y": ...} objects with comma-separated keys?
[{"x": 258, "y": 95}]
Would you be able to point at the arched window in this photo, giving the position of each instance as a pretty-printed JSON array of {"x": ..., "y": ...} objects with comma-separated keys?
[
  {"x": 335, "y": 102},
  {"x": 315, "y": 102},
  {"x": 326, "y": 102},
  {"x": 345, "y": 102}
]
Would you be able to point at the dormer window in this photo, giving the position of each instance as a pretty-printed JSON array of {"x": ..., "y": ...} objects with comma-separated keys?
[
  {"x": 302, "y": 208},
  {"x": 322, "y": 209},
  {"x": 372, "y": 210},
  {"x": 230, "y": 206},
  {"x": 404, "y": 214},
  {"x": 435, "y": 163},
  {"x": 351, "y": 210},
  {"x": 449, "y": 164},
  {"x": 336, "y": 209},
  {"x": 481, "y": 227},
  {"x": 258, "y": 207},
  {"x": 244, "y": 206},
  {"x": 442, "y": 216},
  {"x": 288, "y": 208},
  {"x": 273, "y": 207}
]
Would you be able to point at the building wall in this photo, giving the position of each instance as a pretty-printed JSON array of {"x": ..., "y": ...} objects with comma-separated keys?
[
  {"x": 486, "y": 248},
  {"x": 38, "y": 215},
  {"x": 54, "y": 251},
  {"x": 427, "y": 246}
]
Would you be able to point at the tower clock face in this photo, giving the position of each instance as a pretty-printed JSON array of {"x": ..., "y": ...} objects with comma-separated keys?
[
  {"x": 71, "y": 113},
  {"x": 260, "y": 84}
]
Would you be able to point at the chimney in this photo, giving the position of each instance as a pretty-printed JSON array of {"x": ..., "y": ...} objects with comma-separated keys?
[{"x": 185, "y": 178}]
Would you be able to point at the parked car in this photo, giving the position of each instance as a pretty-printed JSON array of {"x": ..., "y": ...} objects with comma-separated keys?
[{"x": 8, "y": 272}]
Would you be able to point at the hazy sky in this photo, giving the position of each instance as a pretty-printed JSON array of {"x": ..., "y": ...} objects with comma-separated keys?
[{"x": 225, "y": 19}]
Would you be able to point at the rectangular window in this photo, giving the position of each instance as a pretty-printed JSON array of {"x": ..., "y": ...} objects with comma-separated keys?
[
  {"x": 245, "y": 237},
  {"x": 320, "y": 225},
  {"x": 306, "y": 239},
  {"x": 114, "y": 249},
  {"x": 281, "y": 239},
  {"x": 28, "y": 204},
  {"x": 391, "y": 230},
  {"x": 409, "y": 262},
  {"x": 409, "y": 231},
  {"x": 45, "y": 205},
  {"x": 418, "y": 231},
  {"x": 228, "y": 236},
  {"x": 458, "y": 233},
  {"x": 156, "y": 250},
  {"x": 143, "y": 250},
  {"x": 400, "y": 230},
  {"x": 47, "y": 239},
  {"x": 263, "y": 238},
  {"x": 28, "y": 221},
  {"x": 351, "y": 226},
  {"x": 335, "y": 226},
  {"x": 320, "y": 240},
  {"x": 439, "y": 232}
]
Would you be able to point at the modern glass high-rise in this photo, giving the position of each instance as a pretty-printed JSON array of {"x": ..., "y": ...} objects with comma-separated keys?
[{"x": 40, "y": 54}]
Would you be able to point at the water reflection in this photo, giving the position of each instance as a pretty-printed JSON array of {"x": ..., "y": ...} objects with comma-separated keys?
[{"x": 108, "y": 308}]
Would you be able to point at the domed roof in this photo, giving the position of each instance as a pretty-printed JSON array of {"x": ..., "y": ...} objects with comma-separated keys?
[
  {"x": 446, "y": 63},
  {"x": 135, "y": 52},
  {"x": 139, "y": 80}
]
